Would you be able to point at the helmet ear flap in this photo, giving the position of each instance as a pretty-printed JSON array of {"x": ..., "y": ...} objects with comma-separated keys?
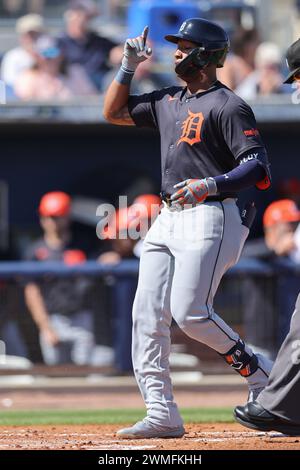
[
  {"x": 191, "y": 63},
  {"x": 205, "y": 57},
  {"x": 201, "y": 57},
  {"x": 221, "y": 57},
  {"x": 198, "y": 58}
]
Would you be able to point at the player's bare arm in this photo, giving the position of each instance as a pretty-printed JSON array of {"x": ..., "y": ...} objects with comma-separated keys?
[
  {"x": 115, "y": 109},
  {"x": 38, "y": 310},
  {"x": 115, "y": 105}
]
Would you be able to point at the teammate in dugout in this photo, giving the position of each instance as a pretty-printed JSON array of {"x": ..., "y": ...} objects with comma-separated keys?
[{"x": 210, "y": 150}]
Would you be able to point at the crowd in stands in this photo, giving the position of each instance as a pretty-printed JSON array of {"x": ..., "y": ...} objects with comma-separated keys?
[
  {"x": 80, "y": 62},
  {"x": 253, "y": 68},
  {"x": 45, "y": 67}
]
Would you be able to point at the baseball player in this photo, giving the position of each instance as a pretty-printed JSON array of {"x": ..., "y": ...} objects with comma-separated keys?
[
  {"x": 277, "y": 407},
  {"x": 210, "y": 150}
]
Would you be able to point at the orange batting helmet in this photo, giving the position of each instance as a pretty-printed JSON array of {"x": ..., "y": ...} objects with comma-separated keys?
[
  {"x": 55, "y": 204},
  {"x": 284, "y": 210}
]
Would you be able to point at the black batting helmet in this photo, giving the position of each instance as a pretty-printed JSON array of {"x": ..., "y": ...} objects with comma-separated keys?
[{"x": 212, "y": 39}]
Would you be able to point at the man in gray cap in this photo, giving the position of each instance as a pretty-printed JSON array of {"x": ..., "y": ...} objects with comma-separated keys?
[{"x": 277, "y": 407}]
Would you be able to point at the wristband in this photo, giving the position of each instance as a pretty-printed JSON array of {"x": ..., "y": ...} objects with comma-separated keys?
[{"x": 124, "y": 76}]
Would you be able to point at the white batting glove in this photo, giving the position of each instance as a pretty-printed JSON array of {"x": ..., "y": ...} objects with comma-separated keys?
[
  {"x": 194, "y": 191},
  {"x": 136, "y": 51}
]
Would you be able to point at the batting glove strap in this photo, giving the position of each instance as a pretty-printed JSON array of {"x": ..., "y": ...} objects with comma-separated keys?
[{"x": 211, "y": 186}]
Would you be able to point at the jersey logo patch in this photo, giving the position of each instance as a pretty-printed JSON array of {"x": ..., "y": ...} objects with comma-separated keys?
[
  {"x": 251, "y": 133},
  {"x": 191, "y": 128}
]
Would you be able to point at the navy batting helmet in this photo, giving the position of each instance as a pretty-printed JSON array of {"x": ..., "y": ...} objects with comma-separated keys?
[{"x": 211, "y": 39}]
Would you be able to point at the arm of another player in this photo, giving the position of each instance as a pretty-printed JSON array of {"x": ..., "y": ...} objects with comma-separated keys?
[
  {"x": 38, "y": 311},
  {"x": 116, "y": 98}
]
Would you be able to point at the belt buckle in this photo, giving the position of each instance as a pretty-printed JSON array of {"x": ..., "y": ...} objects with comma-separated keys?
[
  {"x": 168, "y": 201},
  {"x": 166, "y": 198}
]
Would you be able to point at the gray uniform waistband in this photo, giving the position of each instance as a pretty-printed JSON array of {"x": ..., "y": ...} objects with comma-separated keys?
[
  {"x": 189, "y": 206},
  {"x": 218, "y": 198}
]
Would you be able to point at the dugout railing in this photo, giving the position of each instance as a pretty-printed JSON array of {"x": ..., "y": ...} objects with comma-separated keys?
[{"x": 255, "y": 297}]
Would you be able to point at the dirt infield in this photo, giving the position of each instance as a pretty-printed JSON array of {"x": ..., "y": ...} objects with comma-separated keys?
[
  {"x": 102, "y": 437},
  {"x": 52, "y": 399}
]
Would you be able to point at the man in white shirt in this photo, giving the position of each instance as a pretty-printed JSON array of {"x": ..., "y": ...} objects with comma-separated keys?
[{"x": 29, "y": 28}]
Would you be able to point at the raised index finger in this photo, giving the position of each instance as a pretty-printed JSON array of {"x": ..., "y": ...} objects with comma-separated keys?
[{"x": 145, "y": 34}]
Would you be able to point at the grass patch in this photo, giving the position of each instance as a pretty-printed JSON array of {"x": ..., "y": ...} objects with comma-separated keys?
[{"x": 35, "y": 417}]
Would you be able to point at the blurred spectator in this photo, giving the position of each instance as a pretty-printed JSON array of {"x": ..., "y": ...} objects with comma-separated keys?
[
  {"x": 282, "y": 231},
  {"x": 136, "y": 221},
  {"x": 240, "y": 61},
  {"x": 121, "y": 245},
  {"x": 49, "y": 79},
  {"x": 267, "y": 78},
  {"x": 16, "y": 7},
  {"x": 282, "y": 235},
  {"x": 29, "y": 28},
  {"x": 82, "y": 46},
  {"x": 60, "y": 307}
]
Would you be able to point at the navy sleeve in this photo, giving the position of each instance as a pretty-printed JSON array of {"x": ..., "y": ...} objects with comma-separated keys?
[
  {"x": 238, "y": 126},
  {"x": 142, "y": 109},
  {"x": 241, "y": 177},
  {"x": 261, "y": 157},
  {"x": 253, "y": 169}
]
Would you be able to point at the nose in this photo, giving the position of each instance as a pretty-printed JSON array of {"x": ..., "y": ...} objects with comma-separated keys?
[{"x": 178, "y": 54}]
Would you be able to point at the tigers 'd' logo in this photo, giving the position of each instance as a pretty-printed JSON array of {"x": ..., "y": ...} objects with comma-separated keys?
[{"x": 191, "y": 128}]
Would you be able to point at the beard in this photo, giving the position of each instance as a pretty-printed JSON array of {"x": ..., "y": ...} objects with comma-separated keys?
[{"x": 189, "y": 75}]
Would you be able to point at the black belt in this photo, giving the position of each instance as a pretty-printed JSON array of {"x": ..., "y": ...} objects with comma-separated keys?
[{"x": 166, "y": 197}]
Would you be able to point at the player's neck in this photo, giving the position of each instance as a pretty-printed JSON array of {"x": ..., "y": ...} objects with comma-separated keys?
[{"x": 200, "y": 84}]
